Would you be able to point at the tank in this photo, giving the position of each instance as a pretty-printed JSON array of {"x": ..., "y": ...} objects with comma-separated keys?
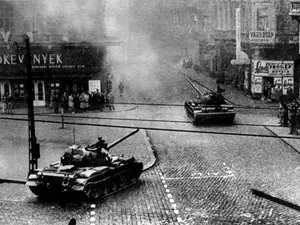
[
  {"x": 210, "y": 108},
  {"x": 91, "y": 170}
]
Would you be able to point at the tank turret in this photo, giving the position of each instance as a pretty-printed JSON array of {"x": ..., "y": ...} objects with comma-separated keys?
[{"x": 91, "y": 170}]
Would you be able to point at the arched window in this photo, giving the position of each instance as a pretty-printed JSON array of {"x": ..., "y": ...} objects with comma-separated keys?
[{"x": 40, "y": 91}]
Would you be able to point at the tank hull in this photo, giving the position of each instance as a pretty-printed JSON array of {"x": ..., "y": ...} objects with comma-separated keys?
[
  {"x": 94, "y": 182},
  {"x": 201, "y": 113}
]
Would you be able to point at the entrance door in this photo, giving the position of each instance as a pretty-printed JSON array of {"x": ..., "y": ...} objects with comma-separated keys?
[{"x": 39, "y": 94}]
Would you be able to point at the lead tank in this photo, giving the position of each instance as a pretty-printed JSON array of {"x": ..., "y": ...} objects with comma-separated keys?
[
  {"x": 209, "y": 107},
  {"x": 91, "y": 170}
]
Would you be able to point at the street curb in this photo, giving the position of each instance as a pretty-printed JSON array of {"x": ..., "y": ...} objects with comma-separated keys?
[
  {"x": 133, "y": 107},
  {"x": 150, "y": 150}
]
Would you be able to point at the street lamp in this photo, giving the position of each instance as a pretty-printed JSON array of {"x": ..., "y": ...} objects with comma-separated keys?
[
  {"x": 295, "y": 14},
  {"x": 34, "y": 147}
]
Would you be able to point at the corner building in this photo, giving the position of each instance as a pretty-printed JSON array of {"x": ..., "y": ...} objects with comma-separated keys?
[{"x": 65, "y": 56}]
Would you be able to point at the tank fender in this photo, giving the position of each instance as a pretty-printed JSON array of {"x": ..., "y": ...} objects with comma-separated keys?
[
  {"x": 95, "y": 170},
  {"x": 32, "y": 180},
  {"x": 78, "y": 184}
]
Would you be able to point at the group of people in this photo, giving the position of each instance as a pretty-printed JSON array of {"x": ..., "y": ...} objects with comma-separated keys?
[
  {"x": 289, "y": 114},
  {"x": 272, "y": 93},
  {"x": 7, "y": 103},
  {"x": 80, "y": 102}
]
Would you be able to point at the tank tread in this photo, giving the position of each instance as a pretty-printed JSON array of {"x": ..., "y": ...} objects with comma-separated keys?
[{"x": 103, "y": 188}]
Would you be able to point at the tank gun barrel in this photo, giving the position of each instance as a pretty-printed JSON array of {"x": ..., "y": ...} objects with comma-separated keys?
[
  {"x": 195, "y": 87},
  {"x": 121, "y": 139}
]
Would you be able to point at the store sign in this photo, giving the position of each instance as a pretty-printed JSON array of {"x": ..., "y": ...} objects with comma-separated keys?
[
  {"x": 257, "y": 85},
  {"x": 272, "y": 68},
  {"x": 37, "y": 59},
  {"x": 262, "y": 37},
  {"x": 281, "y": 69},
  {"x": 94, "y": 85}
]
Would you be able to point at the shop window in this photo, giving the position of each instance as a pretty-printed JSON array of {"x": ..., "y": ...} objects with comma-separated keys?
[
  {"x": 40, "y": 91},
  {"x": 19, "y": 91},
  {"x": 55, "y": 87}
]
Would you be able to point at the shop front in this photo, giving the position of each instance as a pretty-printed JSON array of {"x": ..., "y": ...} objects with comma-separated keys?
[
  {"x": 268, "y": 73},
  {"x": 59, "y": 69}
]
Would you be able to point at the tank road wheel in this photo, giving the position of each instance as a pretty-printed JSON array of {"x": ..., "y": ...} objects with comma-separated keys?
[
  {"x": 38, "y": 190},
  {"x": 115, "y": 185},
  {"x": 106, "y": 191},
  {"x": 124, "y": 181},
  {"x": 133, "y": 179},
  {"x": 91, "y": 192}
]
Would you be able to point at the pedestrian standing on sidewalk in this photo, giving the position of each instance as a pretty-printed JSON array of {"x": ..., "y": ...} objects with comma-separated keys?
[
  {"x": 289, "y": 93},
  {"x": 64, "y": 102},
  {"x": 4, "y": 103},
  {"x": 121, "y": 89},
  {"x": 265, "y": 92},
  {"x": 71, "y": 103},
  {"x": 55, "y": 103},
  {"x": 110, "y": 101},
  {"x": 298, "y": 120},
  {"x": 273, "y": 94},
  {"x": 278, "y": 92},
  {"x": 283, "y": 115},
  {"x": 292, "y": 119}
]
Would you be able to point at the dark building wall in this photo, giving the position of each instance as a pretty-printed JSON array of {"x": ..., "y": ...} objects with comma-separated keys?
[{"x": 63, "y": 57}]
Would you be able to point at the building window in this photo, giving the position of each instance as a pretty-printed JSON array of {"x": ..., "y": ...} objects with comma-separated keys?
[
  {"x": 19, "y": 91},
  {"x": 40, "y": 91},
  {"x": 5, "y": 20},
  {"x": 263, "y": 19}
]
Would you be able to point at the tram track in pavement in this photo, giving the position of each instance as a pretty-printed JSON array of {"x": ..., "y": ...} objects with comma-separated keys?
[
  {"x": 160, "y": 129},
  {"x": 210, "y": 90},
  {"x": 281, "y": 139}
]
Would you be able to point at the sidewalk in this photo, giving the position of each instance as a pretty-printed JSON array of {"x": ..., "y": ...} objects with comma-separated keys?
[
  {"x": 54, "y": 141},
  {"x": 47, "y": 110}
]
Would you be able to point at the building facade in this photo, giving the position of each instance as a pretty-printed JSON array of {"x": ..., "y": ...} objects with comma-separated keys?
[
  {"x": 68, "y": 48},
  {"x": 206, "y": 31}
]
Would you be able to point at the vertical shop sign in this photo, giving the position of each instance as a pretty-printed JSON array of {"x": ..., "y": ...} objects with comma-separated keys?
[
  {"x": 246, "y": 79},
  {"x": 238, "y": 32},
  {"x": 257, "y": 84}
]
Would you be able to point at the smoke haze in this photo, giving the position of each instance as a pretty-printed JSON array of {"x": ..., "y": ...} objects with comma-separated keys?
[{"x": 135, "y": 61}]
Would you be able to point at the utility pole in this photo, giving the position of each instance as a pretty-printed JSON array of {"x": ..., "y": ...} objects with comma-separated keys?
[{"x": 34, "y": 147}]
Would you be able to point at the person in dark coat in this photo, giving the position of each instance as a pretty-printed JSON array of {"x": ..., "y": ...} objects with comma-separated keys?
[
  {"x": 289, "y": 93},
  {"x": 283, "y": 115},
  {"x": 293, "y": 111},
  {"x": 121, "y": 89}
]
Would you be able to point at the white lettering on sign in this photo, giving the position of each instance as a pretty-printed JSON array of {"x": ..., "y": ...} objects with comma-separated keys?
[
  {"x": 273, "y": 68},
  {"x": 259, "y": 67},
  {"x": 262, "y": 37},
  {"x": 37, "y": 59}
]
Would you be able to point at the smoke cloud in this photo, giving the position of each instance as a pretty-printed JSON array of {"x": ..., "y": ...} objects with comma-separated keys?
[{"x": 136, "y": 61}]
